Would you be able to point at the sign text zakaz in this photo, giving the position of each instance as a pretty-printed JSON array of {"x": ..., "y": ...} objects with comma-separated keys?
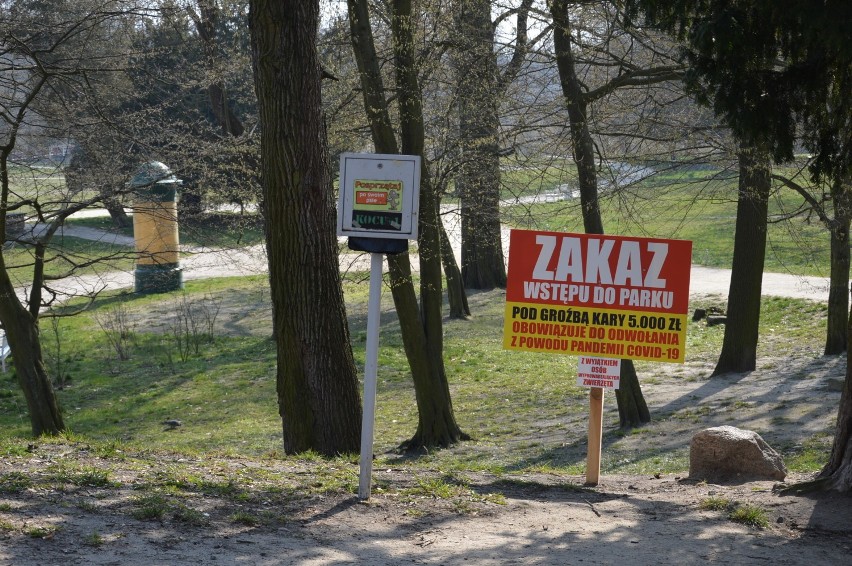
[{"x": 608, "y": 296}]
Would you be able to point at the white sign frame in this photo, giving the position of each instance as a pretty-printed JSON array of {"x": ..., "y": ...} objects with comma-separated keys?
[
  {"x": 379, "y": 167},
  {"x": 598, "y": 372}
]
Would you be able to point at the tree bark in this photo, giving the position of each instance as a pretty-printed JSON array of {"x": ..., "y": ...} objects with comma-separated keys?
[
  {"x": 421, "y": 328},
  {"x": 632, "y": 408},
  {"x": 21, "y": 327},
  {"x": 85, "y": 171},
  {"x": 117, "y": 214},
  {"x": 23, "y": 335},
  {"x": 316, "y": 377},
  {"x": 437, "y": 424},
  {"x": 478, "y": 180},
  {"x": 837, "y": 473},
  {"x": 436, "y": 421},
  {"x": 838, "y": 294},
  {"x": 205, "y": 23},
  {"x": 739, "y": 345},
  {"x": 456, "y": 295}
]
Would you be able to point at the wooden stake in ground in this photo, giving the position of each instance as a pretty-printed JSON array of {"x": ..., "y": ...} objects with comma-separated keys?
[{"x": 593, "y": 456}]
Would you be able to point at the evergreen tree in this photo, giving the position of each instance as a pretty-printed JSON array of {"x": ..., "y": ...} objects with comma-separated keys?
[{"x": 774, "y": 69}]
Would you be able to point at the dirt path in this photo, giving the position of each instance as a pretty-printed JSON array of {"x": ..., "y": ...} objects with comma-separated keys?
[
  {"x": 626, "y": 520},
  {"x": 199, "y": 263}
]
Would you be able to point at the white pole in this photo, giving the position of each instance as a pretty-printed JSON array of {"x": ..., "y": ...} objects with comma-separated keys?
[{"x": 371, "y": 363}]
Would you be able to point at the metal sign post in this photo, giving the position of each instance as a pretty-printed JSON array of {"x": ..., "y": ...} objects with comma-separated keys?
[
  {"x": 378, "y": 210},
  {"x": 371, "y": 366}
]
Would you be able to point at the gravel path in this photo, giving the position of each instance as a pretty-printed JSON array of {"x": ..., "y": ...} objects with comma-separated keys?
[{"x": 200, "y": 263}]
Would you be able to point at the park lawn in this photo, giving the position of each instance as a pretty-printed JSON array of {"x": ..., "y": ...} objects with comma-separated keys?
[
  {"x": 523, "y": 410},
  {"x": 695, "y": 207},
  {"x": 209, "y": 230},
  {"x": 66, "y": 253}
]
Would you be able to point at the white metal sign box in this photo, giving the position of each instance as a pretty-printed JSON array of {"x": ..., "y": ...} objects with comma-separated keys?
[{"x": 379, "y": 196}]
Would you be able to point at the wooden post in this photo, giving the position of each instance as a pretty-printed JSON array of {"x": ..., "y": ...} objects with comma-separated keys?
[{"x": 593, "y": 456}]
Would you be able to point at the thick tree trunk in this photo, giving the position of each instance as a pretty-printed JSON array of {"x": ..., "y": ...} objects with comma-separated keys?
[
  {"x": 117, "y": 214},
  {"x": 838, "y": 294},
  {"x": 837, "y": 473},
  {"x": 739, "y": 346},
  {"x": 317, "y": 383},
  {"x": 478, "y": 181},
  {"x": 632, "y": 408}
]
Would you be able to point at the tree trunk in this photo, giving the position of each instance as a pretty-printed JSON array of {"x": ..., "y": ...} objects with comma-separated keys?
[
  {"x": 739, "y": 346},
  {"x": 23, "y": 335},
  {"x": 206, "y": 22},
  {"x": 422, "y": 329},
  {"x": 478, "y": 181},
  {"x": 117, "y": 214},
  {"x": 837, "y": 473},
  {"x": 86, "y": 171},
  {"x": 456, "y": 294},
  {"x": 632, "y": 408},
  {"x": 838, "y": 294},
  {"x": 316, "y": 377},
  {"x": 437, "y": 425}
]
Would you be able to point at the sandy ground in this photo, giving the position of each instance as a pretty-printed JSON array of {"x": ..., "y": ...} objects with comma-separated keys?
[{"x": 625, "y": 520}]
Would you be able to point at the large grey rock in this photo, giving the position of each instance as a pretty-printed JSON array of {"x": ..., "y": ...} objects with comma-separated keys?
[{"x": 726, "y": 453}]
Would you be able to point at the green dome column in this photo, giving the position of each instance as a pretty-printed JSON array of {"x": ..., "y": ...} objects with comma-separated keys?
[{"x": 155, "y": 229}]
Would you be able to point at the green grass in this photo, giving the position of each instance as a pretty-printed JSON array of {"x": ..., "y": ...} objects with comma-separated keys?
[
  {"x": 85, "y": 476},
  {"x": 14, "y": 482},
  {"x": 743, "y": 513},
  {"x": 750, "y": 515},
  {"x": 810, "y": 455},
  {"x": 698, "y": 207},
  {"x": 66, "y": 254},
  {"x": 714, "y": 504},
  {"x": 151, "y": 506},
  {"x": 246, "y": 518},
  {"x": 41, "y": 531},
  {"x": 524, "y": 177},
  {"x": 45, "y": 183},
  {"x": 523, "y": 410},
  {"x": 211, "y": 230},
  {"x": 94, "y": 540}
]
